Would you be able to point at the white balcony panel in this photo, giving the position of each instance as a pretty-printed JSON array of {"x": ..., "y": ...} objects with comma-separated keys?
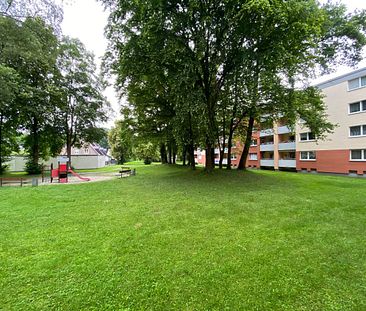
[
  {"x": 267, "y": 163},
  {"x": 283, "y": 130},
  {"x": 217, "y": 161},
  {"x": 287, "y": 163},
  {"x": 268, "y": 147},
  {"x": 287, "y": 146},
  {"x": 217, "y": 150},
  {"x": 268, "y": 132}
]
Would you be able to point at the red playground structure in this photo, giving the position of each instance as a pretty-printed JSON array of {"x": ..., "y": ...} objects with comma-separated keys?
[{"x": 62, "y": 173}]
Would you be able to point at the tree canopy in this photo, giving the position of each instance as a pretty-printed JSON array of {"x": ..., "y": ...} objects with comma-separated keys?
[
  {"x": 191, "y": 67},
  {"x": 51, "y": 93}
]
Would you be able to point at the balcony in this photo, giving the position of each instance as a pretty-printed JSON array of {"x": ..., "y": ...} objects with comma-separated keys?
[
  {"x": 267, "y": 147},
  {"x": 290, "y": 145},
  {"x": 217, "y": 150},
  {"x": 224, "y": 161},
  {"x": 287, "y": 163},
  {"x": 267, "y": 162},
  {"x": 283, "y": 130},
  {"x": 268, "y": 132}
]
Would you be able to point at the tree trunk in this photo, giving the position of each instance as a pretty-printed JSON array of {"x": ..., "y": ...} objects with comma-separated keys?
[
  {"x": 184, "y": 155},
  {"x": 210, "y": 152},
  {"x": 222, "y": 148},
  {"x": 170, "y": 152},
  {"x": 210, "y": 157},
  {"x": 174, "y": 151},
  {"x": 1, "y": 143},
  {"x": 192, "y": 162},
  {"x": 35, "y": 142},
  {"x": 229, "y": 143},
  {"x": 248, "y": 139},
  {"x": 163, "y": 156},
  {"x": 68, "y": 153}
]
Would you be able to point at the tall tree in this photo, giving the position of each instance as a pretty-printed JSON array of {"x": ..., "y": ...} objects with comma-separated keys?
[
  {"x": 202, "y": 43},
  {"x": 9, "y": 86},
  {"x": 82, "y": 106},
  {"x": 30, "y": 49},
  {"x": 292, "y": 48}
]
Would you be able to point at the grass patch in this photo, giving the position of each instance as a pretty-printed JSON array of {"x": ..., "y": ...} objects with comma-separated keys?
[{"x": 173, "y": 239}]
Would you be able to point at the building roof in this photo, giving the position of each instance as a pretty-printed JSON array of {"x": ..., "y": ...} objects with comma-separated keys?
[{"x": 348, "y": 76}]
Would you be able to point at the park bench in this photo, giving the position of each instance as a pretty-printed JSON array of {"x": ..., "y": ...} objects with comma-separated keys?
[{"x": 126, "y": 171}]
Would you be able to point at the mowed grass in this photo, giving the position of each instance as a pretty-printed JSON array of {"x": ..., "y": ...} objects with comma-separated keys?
[{"x": 173, "y": 239}]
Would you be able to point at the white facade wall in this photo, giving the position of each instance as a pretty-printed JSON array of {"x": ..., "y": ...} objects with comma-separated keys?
[{"x": 17, "y": 163}]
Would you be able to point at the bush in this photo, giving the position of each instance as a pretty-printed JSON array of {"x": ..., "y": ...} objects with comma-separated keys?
[
  {"x": 147, "y": 161},
  {"x": 33, "y": 168},
  {"x": 3, "y": 168}
]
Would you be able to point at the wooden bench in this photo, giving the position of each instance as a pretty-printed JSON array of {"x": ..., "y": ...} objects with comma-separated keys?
[{"x": 126, "y": 171}]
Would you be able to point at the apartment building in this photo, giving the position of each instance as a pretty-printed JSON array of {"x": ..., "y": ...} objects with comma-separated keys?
[
  {"x": 236, "y": 150},
  {"x": 279, "y": 147},
  {"x": 343, "y": 151}
]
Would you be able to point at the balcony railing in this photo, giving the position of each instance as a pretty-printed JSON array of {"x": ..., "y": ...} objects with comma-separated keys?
[
  {"x": 267, "y": 162},
  {"x": 289, "y": 145},
  {"x": 283, "y": 129},
  {"x": 217, "y": 161},
  {"x": 287, "y": 163},
  {"x": 267, "y": 132},
  {"x": 267, "y": 147}
]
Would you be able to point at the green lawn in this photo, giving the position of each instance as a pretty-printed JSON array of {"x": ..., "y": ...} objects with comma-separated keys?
[{"x": 173, "y": 239}]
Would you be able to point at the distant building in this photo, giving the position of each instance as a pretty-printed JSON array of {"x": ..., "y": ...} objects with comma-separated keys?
[{"x": 89, "y": 156}]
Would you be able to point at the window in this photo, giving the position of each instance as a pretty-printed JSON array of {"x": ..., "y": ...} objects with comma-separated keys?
[
  {"x": 363, "y": 81},
  {"x": 253, "y": 156},
  {"x": 359, "y": 130},
  {"x": 253, "y": 142},
  {"x": 357, "y": 107},
  {"x": 358, "y": 155},
  {"x": 307, "y": 155},
  {"x": 233, "y": 156},
  {"x": 307, "y": 136},
  {"x": 356, "y": 83}
]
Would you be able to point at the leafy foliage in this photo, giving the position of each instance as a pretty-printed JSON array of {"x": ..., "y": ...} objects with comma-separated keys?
[
  {"x": 51, "y": 93},
  {"x": 179, "y": 63},
  {"x": 120, "y": 139},
  {"x": 81, "y": 104}
]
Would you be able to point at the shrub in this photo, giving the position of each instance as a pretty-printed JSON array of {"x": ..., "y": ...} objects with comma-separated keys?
[
  {"x": 147, "y": 161},
  {"x": 33, "y": 168},
  {"x": 3, "y": 168}
]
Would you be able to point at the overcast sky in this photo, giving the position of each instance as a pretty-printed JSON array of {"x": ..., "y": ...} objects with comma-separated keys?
[{"x": 86, "y": 19}]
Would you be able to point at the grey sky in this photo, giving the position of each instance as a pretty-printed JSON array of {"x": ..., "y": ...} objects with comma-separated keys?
[{"x": 86, "y": 19}]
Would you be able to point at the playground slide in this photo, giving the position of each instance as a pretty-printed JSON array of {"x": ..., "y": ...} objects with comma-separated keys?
[{"x": 78, "y": 176}]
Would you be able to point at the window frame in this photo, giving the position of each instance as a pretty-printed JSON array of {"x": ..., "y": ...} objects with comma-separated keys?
[
  {"x": 363, "y": 155},
  {"x": 359, "y": 84},
  {"x": 308, "y": 155},
  {"x": 361, "y": 105},
  {"x": 362, "y": 131},
  {"x": 256, "y": 154},
  {"x": 307, "y": 137}
]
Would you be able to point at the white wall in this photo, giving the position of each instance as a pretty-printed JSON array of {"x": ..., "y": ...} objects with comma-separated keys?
[{"x": 17, "y": 163}]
